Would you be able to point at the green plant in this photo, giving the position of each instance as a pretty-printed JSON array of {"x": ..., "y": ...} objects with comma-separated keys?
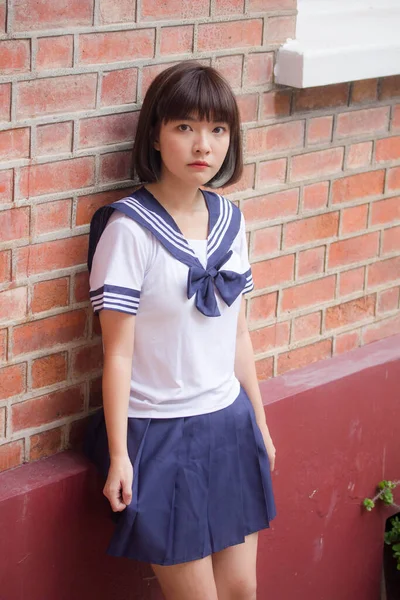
[{"x": 385, "y": 493}]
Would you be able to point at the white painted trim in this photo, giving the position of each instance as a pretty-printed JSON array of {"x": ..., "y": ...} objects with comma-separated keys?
[{"x": 341, "y": 40}]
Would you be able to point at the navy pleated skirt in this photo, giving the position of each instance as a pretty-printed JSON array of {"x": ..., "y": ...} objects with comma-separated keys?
[{"x": 200, "y": 483}]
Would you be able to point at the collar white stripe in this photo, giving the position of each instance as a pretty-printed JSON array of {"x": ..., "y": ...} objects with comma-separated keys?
[{"x": 223, "y": 229}]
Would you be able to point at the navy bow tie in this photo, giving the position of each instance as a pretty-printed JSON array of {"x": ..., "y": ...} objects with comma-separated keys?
[{"x": 202, "y": 281}]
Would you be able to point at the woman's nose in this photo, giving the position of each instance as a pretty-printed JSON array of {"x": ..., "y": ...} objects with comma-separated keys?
[{"x": 202, "y": 143}]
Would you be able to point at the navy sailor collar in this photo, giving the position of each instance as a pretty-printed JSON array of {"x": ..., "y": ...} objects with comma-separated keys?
[{"x": 223, "y": 227}]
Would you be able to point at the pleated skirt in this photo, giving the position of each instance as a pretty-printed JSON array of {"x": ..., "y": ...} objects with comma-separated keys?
[{"x": 200, "y": 483}]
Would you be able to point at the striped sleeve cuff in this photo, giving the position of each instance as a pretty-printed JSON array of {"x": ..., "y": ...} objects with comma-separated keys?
[
  {"x": 249, "y": 282},
  {"x": 114, "y": 297}
]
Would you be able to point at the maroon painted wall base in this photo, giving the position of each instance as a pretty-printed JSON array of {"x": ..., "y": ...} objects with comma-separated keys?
[{"x": 336, "y": 428}]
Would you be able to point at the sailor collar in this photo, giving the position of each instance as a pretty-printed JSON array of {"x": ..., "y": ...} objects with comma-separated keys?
[{"x": 223, "y": 227}]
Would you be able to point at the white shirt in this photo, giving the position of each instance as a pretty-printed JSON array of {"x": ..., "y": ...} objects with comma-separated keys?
[{"x": 183, "y": 361}]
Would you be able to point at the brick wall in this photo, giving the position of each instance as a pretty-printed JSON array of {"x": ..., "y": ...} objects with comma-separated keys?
[{"x": 318, "y": 192}]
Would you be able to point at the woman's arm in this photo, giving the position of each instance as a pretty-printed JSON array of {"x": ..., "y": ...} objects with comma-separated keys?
[
  {"x": 118, "y": 330},
  {"x": 245, "y": 371}
]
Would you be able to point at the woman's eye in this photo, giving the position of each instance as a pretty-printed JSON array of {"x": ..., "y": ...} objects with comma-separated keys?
[
  {"x": 183, "y": 127},
  {"x": 221, "y": 129}
]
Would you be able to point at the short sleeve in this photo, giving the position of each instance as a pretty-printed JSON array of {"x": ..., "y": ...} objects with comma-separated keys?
[
  {"x": 246, "y": 268},
  {"x": 119, "y": 266}
]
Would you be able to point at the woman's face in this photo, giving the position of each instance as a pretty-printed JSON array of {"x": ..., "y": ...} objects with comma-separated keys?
[{"x": 185, "y": 143}]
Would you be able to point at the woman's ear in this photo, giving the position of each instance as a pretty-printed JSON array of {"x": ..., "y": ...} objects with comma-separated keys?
[{"x": 156, "y": 145}]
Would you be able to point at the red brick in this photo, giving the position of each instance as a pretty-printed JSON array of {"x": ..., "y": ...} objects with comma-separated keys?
[
  {"x": 48, "y": 408},
  {"x": 176, "y": 40},
  {"x": 49, "y": 294},
  {"x": 231, "y": 67},
  {"x": 354, "y": 249},
  {"x": 246, "y": 182},
  {"x": 14, "y": 143},
  {"x": 311, "y": 229},
  {"x": 15, "y": 56},
  {"x": 279, "y": 29},
  {"x": 359, "y": 122},
  {"x": 116, "y": 46},
  {"x": 355, "y": 187},
  {"x": 385, "y": 211},
  {"x": 308, "y": 294},
  {"x": 5, "y": 101},
  {"x": 390, "y": 87},
  {"x": 11, "y": 455},
  {"x": 388, "y": 300},
  {"x": 300, "y": 357},
  {"x": 59, "y": 176},
  {"x": 264, "y": 5},
  {"x": 56, "y": 95},
  {"x": 12, "y": 381},
  {"x": 54, "y": 52},
  {"x": 316, "y": 164},
  {"x": 271, "y": 337},
  {"x": 359, "y": 155},
  {"x": 272, "y": 172},
  {"x": 13, "y": 304},
  {"x": 31, "y": 14},
  {"x": 311, "y": 262},
  {"x": 276, "y": 104},
  {"x": 387, "y": 149},
  {"x": 271, "y": 206},
  {"x": 3, "y": 344},
  {"x": 87, "y": 205},
  {"x": 346, "y": 342},
  {"x": 81, "y": 287},
  {"x": 307, "y": 326},
  {"x": 248, "y": 107},
  {"x": 123, "y": 11},
  {"x": 327, "y": 96},
  {"x": 319, "y": 130},
  {"x": 174, "y": 9},
  {"x": 14, "y": 224},
  {"x": 109, "y": 129},
  {"x": 384, "y": 271},
  {"x": 263, "y": 307},
  {"x": 52, "y": 216},
  {"x": 228, "y": 7},
  {"x": 381, "y": 330},
  {"x": 393, "y": 179},
  {"x": 49, "y": 370},
  {"x": 315, "y": 196},
  {"x": 350, "y": 312},
  {"x": 5, "y": 266},
  {"x": 233, "y": 34},
  {"x": 365, "y": 90},
  {"x": 391, "y": 240},
  {"x": 116, "y": 166},
  {"x": 119, "y": 87},
  {"x": 149, "y": 73},
  {"x": 46, "y": 443},
  {"x": 273, "y": 272},
  {"x": 354, "y": 219},
  {"x": 260, "y": 67},
  {"x": 6, "y": 186},
  {"x": 351, "y": 281},
  {"x": 46, "y": 333},
  {"x": 54, "y": 138},
  {"x": 265, "y": 368},
  {"x": 87, "y": 359},
  {"x": 266, "y": 241},
  {"x": 57, "y": 254},
  {"x": 283, "y": 136}
]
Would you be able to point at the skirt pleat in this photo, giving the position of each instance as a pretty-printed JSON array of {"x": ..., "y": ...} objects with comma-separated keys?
[{"x": 200, "y": 484}]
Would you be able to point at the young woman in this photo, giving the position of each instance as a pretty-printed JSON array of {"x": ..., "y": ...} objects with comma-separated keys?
[{"x": 182, "y": 439}]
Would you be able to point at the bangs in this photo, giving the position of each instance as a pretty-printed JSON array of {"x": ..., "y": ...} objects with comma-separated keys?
[{"x": 198, "y": 94}]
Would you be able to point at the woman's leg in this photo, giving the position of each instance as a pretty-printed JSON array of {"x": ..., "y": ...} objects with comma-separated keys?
[
  {"x": 193, "y": 580},
  {"x": 235, "y": 570}
]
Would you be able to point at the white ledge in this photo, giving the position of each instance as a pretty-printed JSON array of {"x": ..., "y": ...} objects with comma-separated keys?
[{"x": 341, "y": 40}]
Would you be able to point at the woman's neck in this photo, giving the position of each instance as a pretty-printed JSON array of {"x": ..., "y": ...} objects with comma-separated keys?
[{"x": 177, "y": 198}]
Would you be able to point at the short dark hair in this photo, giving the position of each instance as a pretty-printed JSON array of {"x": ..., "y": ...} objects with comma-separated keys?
[{"x": 179, "y": 92}]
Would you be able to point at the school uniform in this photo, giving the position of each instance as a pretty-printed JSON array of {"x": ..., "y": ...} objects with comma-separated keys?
[{"x": 201, "y": 478}]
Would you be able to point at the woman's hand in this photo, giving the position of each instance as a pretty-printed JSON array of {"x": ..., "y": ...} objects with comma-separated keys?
[
  {"x": 269, "y": 445},
  {"x": 118, "y": 487}
]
